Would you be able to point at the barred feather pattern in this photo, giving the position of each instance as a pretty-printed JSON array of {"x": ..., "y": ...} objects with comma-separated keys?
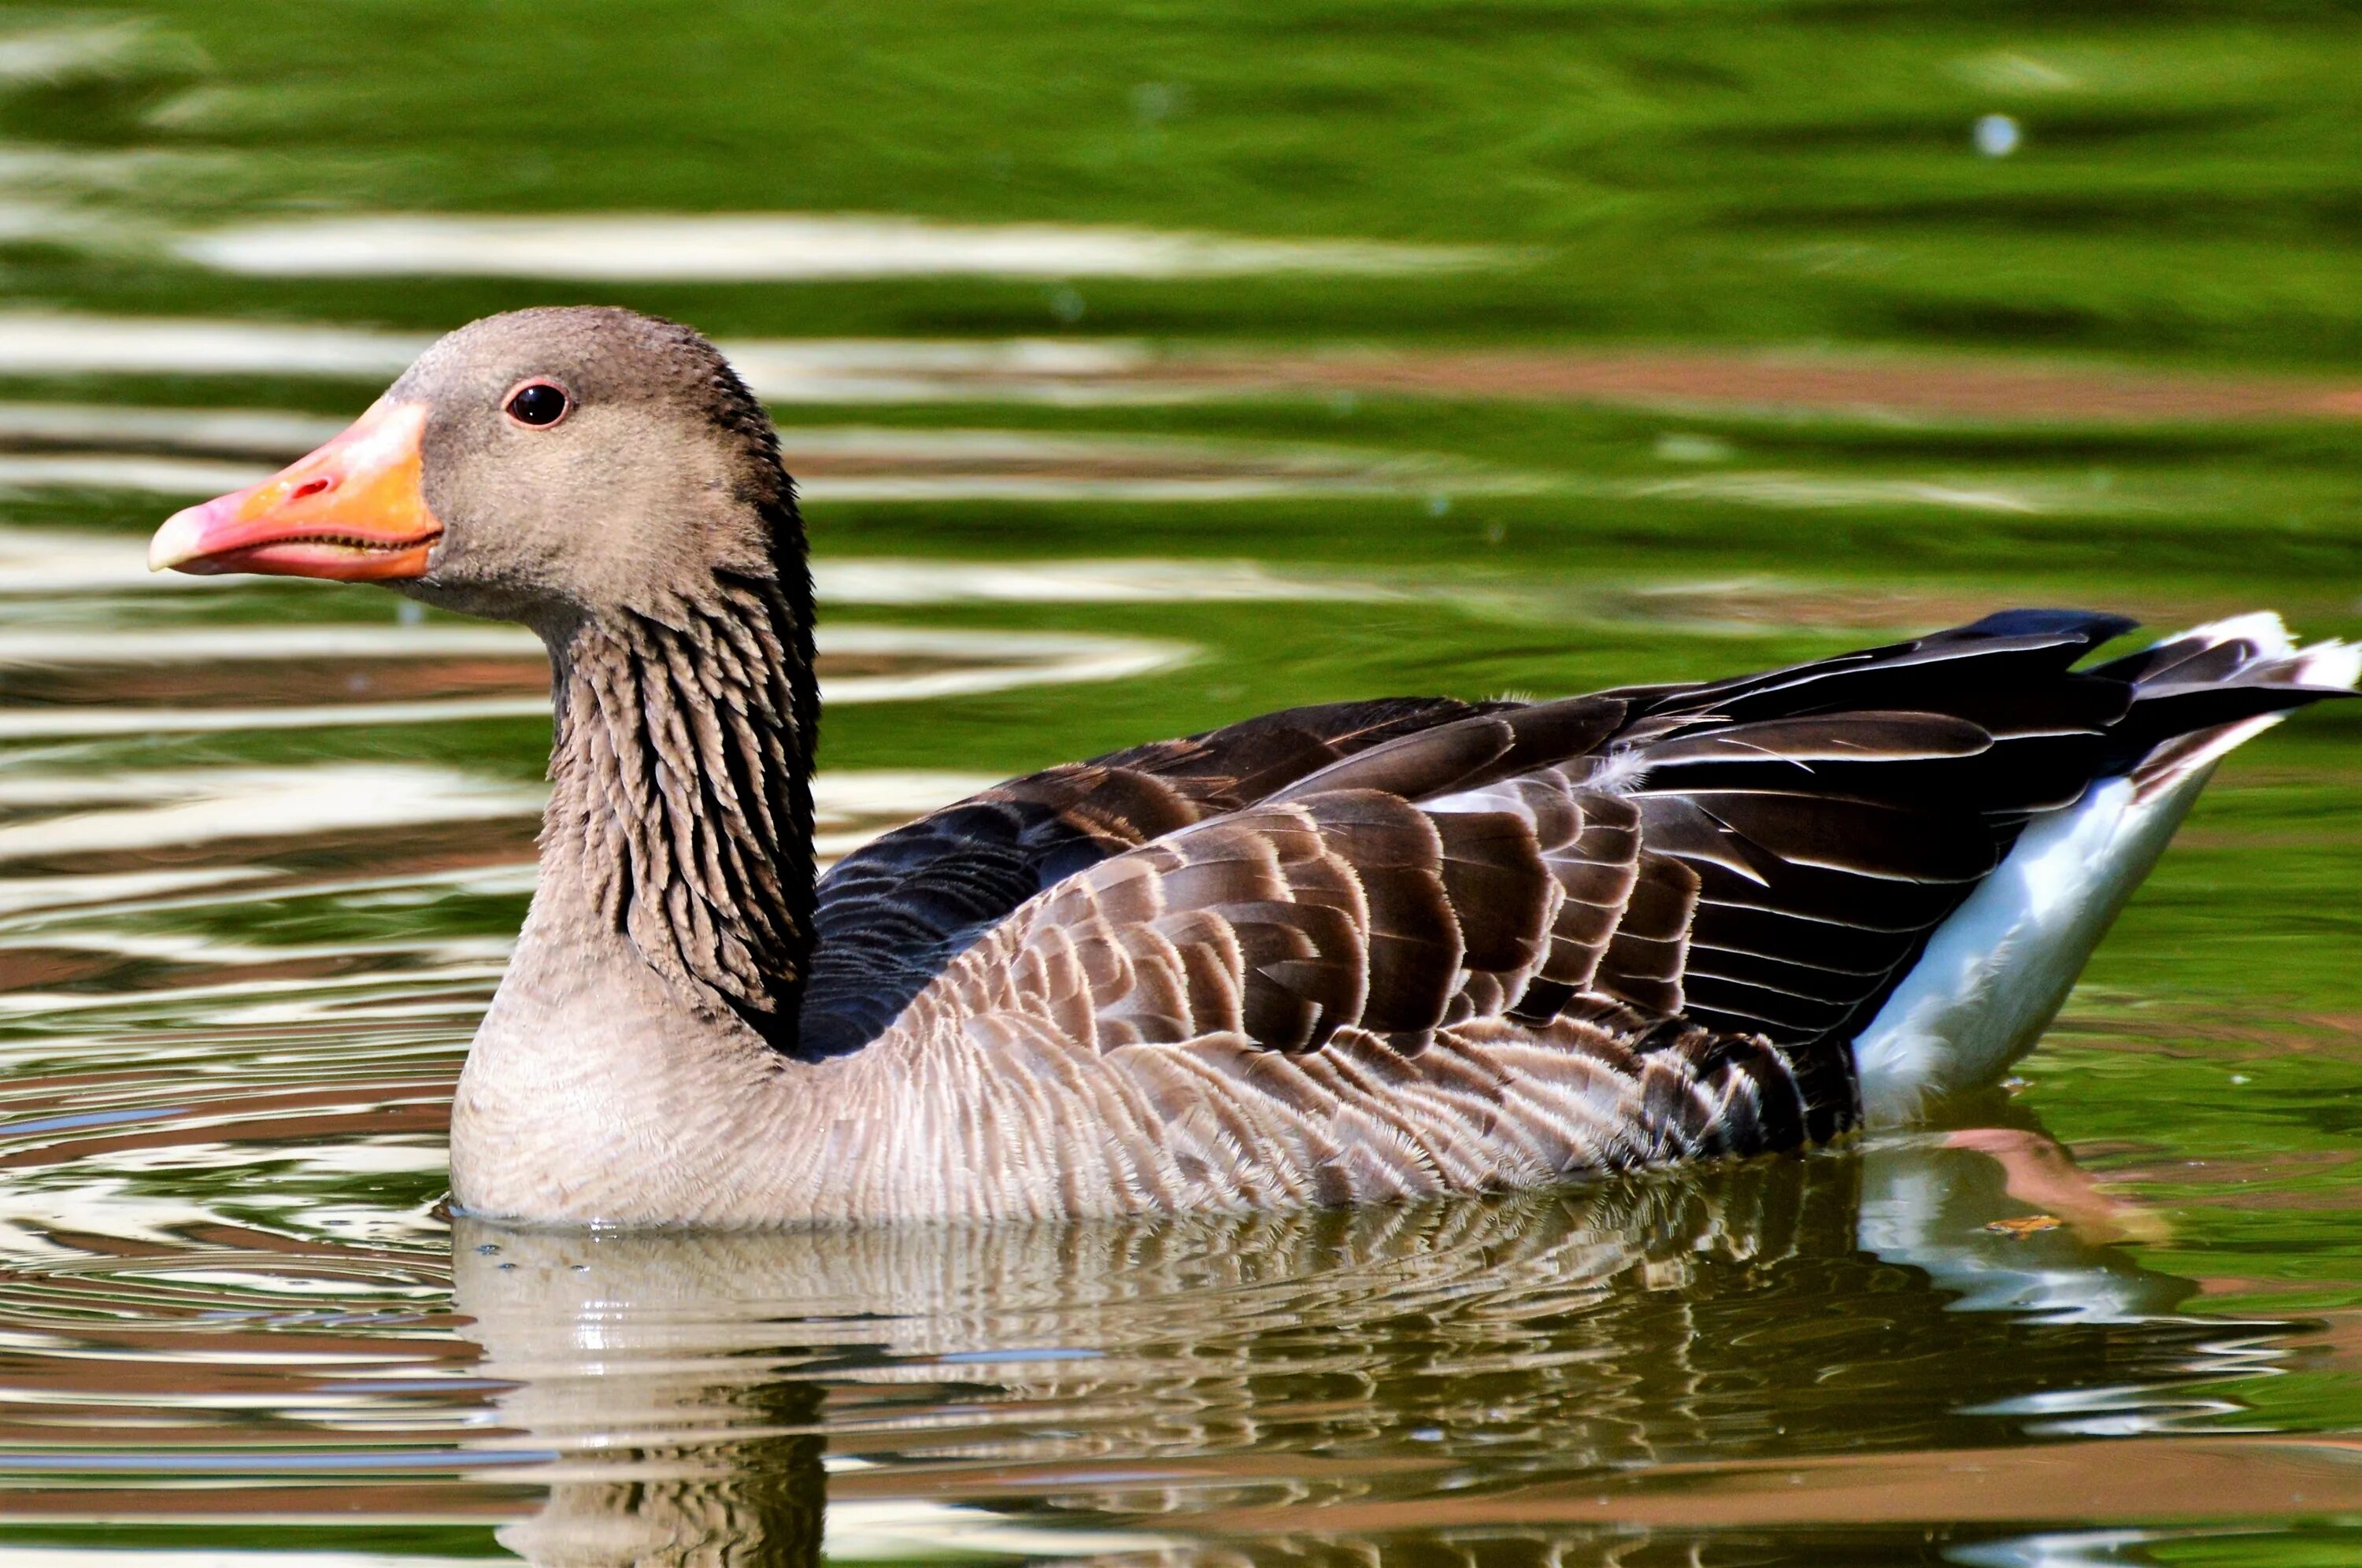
[
  {"x": 893, "y": 913},
  {"x": 1500, "y": 946},
  {"x": 680, "y": 777},
  {"x": 1304, "y": 1002},
  {"x": 1332, "y": 955}
]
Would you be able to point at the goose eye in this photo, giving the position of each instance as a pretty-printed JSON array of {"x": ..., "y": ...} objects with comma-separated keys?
[{"x": 538, "y": 403}]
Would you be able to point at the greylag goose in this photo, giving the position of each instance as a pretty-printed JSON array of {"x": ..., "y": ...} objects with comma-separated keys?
[{"x": 1345, "y": 953}]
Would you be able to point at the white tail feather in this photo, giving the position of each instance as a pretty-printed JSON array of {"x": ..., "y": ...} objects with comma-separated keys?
[
  {"x": 2262, "y": 627},
  {"x": 2331, "y": 663},
  {"x": 1997, "y": 971}
]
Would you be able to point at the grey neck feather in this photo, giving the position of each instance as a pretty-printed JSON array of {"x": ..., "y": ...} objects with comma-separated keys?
[{"x": 680, "y": 776}]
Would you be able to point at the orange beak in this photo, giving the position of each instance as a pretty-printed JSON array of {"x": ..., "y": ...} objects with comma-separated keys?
[{"x": 352, "y": 511}]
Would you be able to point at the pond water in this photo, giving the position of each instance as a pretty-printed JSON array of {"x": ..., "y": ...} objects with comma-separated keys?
[{"x": 1145, "y": 367}]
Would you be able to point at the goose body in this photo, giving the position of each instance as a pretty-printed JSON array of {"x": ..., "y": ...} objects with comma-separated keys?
[{"x": 1338, "y": 954}]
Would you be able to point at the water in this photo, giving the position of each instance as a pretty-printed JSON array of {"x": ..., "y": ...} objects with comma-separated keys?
[{"x": 1334, "y": 350}]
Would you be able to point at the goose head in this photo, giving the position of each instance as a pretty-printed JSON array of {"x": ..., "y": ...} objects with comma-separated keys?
[
  {"x": 547, "y": 466},
  {"x": 606, "y": 480}
]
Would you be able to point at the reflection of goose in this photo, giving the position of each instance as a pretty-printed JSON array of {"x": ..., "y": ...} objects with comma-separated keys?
[
  {"x": 1150, "y": 1370},
  {"x": 1359, "y": 951}
]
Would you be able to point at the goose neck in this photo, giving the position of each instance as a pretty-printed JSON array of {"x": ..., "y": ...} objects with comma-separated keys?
[{"x": 680, "y": 803}]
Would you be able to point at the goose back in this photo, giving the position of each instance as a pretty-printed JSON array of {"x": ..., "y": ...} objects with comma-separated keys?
[{"x": 1375, "y": 950}]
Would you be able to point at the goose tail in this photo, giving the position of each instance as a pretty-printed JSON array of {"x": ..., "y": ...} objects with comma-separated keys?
[{"x": 1994, "y": 975}]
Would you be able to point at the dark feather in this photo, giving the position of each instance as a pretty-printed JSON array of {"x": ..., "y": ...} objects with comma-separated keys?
[
  {"x": 1493, "y": 876},
  {"x": 1730, "y": 878},
  {"x": 891, "y": 914},
  {"x": 1646, "y": 959}
]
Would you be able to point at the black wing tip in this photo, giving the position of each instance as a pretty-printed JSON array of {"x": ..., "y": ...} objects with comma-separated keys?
[{"x": 2092, "y": 628}]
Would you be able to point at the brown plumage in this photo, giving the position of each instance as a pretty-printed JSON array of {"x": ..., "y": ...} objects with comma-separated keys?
[{"x": 1333, "y": 955}]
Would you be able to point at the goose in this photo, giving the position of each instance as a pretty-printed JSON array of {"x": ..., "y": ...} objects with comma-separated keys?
[{"x": 1341, "y": 954}]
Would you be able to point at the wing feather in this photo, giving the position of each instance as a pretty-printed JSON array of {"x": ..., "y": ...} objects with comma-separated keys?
[{"x": 1371, "y": 950}]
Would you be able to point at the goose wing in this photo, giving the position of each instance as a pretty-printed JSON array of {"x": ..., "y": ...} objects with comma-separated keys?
[
  {"x": 893, "y": 913},
  {"x": 1757, "y": 858}
]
